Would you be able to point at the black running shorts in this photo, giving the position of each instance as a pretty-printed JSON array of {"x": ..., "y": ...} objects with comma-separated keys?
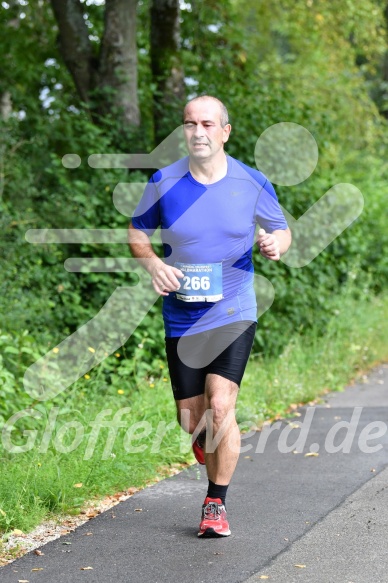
[{"x": 223, "y": 351}]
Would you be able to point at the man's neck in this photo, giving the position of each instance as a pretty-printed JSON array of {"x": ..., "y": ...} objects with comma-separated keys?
[{"x": 209, "y": 171}]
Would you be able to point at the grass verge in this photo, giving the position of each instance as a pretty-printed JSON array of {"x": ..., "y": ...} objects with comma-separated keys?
[
  {"x": 104, "y": 437},
  {"x": 311, "y": 365}
]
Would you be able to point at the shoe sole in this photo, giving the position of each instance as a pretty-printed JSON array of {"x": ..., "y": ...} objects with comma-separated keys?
[{"x": 211, "y": 533}]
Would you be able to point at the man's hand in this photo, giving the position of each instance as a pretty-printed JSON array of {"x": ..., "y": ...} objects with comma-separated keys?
[
  {"x": 165, "y": 278},
  {"x": 269, "y": 245}
]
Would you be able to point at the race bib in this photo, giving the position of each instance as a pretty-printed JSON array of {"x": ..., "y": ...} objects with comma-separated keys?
[{"x": 202, "y": 282}]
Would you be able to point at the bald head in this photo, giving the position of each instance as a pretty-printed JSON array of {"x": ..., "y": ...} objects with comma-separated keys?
[{"x": 224, "y": 116}]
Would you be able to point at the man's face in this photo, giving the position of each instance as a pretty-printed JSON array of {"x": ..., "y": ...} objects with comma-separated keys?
[{"x": 204, "y": 135}]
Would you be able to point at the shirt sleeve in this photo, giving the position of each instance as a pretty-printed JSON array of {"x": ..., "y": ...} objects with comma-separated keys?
[
  {"x": 146, "y": 216},
  {"x": 268, "y": 213}
]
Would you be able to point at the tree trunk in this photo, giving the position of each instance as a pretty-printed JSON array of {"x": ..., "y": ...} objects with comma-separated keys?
[
  {"x": 108, "y": 83},
  {"x": 118, "y": 61},
  {"x": 74, "y": 44},
  {"x": 166, "y": 67}
]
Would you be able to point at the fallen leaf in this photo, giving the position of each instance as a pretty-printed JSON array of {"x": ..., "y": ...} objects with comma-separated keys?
[
  {"x": 311, "y": 454},
  {"x": 88, "y": 533},
  {"x": 86, "y": 569},
  {"x": 294, "y": 425},
  {"x": 300, "y": 566},
  {"x": 37, "y": 569},
  {"x": 38, "y": 552},
  {"x": 17, "y": 532},
  {"x": 78, "y": 485}
]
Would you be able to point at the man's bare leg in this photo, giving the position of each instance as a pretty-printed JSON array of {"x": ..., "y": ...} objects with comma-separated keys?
[
  {"x": 191, "y": 414},
  {"x": 220, "y": 403}
]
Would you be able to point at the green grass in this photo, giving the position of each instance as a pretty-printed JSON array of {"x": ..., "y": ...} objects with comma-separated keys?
[
  {"x": 40, "y": 483},
  {"x": 356, "y": 338},
  {"x": 35, "y": 484}
]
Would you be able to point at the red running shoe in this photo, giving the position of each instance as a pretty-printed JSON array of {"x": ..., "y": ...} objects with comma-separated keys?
[
  {"x": 214, "y": 522},
  {"x": 198, "y": 448}
]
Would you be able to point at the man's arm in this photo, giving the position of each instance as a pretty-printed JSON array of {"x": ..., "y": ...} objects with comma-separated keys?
[
  {"x": 164, "y": 277},
  {"x": 273, "y": 245}
]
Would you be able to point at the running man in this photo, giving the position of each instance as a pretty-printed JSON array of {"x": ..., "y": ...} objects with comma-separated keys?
[{"x": 208, "y": 206}]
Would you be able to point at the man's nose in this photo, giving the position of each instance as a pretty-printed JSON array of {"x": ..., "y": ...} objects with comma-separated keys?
[{"x": 199, "y": 130}]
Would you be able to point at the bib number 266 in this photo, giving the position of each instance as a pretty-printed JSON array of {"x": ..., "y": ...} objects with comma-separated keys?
[
  {"x": 196, "y": 283},
  {"x": 202, "y": 282}
]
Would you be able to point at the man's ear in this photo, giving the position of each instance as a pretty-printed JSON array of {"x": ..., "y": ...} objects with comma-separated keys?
[{"x": 227, "y": 130}]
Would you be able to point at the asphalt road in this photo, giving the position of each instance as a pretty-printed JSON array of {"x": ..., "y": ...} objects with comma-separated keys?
[{"x": 317, "y": 518}]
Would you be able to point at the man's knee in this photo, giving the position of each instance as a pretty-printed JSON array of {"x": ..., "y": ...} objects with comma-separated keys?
[
  {"x": 191, "y": 420},
  {"x": 221, "y": 409}
]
